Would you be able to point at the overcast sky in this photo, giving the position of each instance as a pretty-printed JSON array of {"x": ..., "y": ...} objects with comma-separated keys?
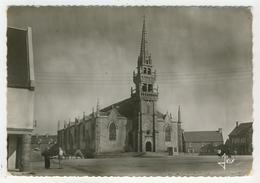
[{"x": 203, "y": 57}]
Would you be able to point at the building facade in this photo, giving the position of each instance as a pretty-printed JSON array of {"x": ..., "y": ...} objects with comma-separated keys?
[
  {"x": 20, "y": 98},
  {"x": 196, "y": 141},
  {"x": 133, "y": 125},
  {"x": 240, "y": 139}
]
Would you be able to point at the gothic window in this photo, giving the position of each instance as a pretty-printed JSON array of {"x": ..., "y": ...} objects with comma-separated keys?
[
  {"x": 144, "y": 70},
  {"x": 150, "y": 87},
  {"x": 149, "y": 71},
  {"x": 148, "y": 132},
  {"x": 112, "y": 131},
  {"x": 144, "y": 87},
  {"x": 168, "y": 134}
]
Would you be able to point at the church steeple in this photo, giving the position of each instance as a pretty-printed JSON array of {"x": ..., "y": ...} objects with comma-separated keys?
[{"x": 145, "y": 77}]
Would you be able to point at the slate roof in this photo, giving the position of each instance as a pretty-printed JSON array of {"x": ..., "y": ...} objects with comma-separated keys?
[
  {"x": 107, "y": 112},
  {"x": 241, "y": 129},
  {"x": 203, "y": 136},
  {"x": 160, "y": 115},
  {"x": 126, "y": 108}
]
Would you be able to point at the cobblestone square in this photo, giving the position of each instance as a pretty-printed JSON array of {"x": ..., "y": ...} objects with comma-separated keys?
[{"x": 146, "y": 166}]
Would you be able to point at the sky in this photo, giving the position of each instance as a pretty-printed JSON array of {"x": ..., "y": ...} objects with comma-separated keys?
[{"x": 202, "y": 55}]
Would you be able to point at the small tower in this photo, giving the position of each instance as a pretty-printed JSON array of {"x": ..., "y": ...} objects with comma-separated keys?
[
  {"x": 84, "y": 116},
  {"x": 58, "y": 125},
  {"x": 93, "y": 112},
  {"x": 180, "y": 131},
  {"x": 179, "y": 114},
  {"x": 98, "y": 108}
]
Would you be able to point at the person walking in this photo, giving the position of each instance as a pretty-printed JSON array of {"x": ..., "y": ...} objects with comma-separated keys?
[
  {"x": 46, "y": 155},
  {"x": 60, "y": 156}
]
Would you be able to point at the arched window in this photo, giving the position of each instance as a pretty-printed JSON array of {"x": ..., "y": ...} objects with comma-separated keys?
[
  {"x": 149, "y": 71},
  {"x": 144, "y": 70},
  {"x": 144, "y": 87},
  {"x": 112, "y": 131},
  {"x": 168, "y": 134},
  {"x": 150, "y": 87}
]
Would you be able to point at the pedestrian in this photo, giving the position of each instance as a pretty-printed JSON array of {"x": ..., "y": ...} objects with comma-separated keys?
[
  {"x": 46, "y": 155},
  {"x": 228, "y": 153},
  {"x": 235, "y": 153},
  {"x": 219, "y": 152},
  {"x": 60, "y": 156}
]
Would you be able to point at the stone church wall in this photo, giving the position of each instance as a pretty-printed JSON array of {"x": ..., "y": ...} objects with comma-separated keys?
[
  {"x": 162, "y": 144},
  {"x": 88, "y": 140},
  {"x": 106, "y": 145},
  {"x": 160, "y": 137}
]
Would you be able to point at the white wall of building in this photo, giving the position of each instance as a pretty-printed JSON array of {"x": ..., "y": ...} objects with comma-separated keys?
[{"x": 20, "y": 108}]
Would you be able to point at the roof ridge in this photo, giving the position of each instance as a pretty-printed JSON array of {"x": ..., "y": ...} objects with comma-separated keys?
[
  {"x": 203, "y": 131},
  {"x": 116, "y": 103}
]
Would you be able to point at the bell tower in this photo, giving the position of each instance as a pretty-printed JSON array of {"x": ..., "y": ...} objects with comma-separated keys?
[{"x": 146, "y": 96}]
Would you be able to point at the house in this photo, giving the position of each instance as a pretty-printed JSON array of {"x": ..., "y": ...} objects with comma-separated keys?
[
  {"x": 240, "y": 139},
  {"x": 20, "y": 98},
  {"x": 194, "y": 141}
]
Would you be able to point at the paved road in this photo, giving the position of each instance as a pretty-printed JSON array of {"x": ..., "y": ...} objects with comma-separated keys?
[{"x": 147, "y": 166}]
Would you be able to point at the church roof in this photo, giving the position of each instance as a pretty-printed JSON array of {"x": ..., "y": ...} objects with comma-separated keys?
[
  {"x": 203, "y": 136},
  {"x": 126, "y": 108},
  {"x": 241, "y": 129},
  {"x": 160, "y": 115},
  {"x": 107, "y": 113}
]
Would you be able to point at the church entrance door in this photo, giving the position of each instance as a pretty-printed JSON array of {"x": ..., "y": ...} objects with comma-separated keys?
[{"x": 148, "y": 146}]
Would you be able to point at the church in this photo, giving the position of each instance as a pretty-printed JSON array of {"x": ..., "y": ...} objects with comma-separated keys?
[{"x": 131, "y": 125}]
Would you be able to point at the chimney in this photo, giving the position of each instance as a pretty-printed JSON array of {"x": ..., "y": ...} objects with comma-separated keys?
[
  {"x": 220, "y": 130},
  {"x": 237, "y": 124}
]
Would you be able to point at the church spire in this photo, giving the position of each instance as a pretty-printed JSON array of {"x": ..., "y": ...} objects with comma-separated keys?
[
  {"x": 144, "y": 55},
  {"x": 143, "y": 51}
]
